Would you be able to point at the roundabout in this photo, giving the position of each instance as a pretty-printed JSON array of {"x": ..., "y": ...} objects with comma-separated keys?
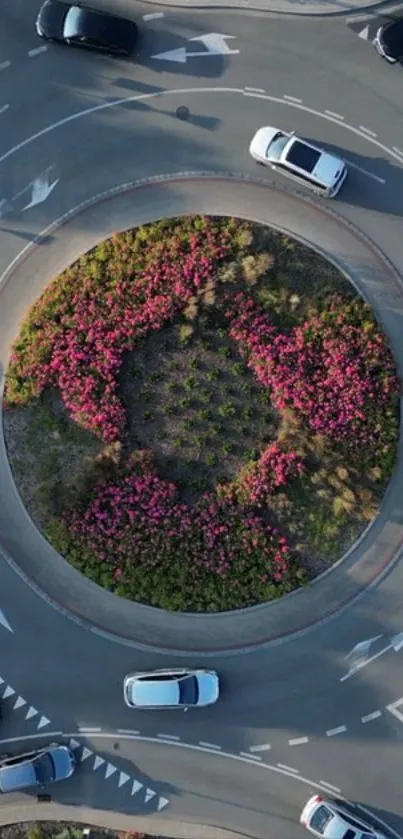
[{"x": 283, "y": 696}]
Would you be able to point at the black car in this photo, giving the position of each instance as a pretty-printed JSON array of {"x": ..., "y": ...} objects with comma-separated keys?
[
  {"x": 85, "y": 27},
  {"x": 389, "y": 41}
]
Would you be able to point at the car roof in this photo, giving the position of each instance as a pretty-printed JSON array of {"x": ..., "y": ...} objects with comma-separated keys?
[
  {"x": 91, "y": 23},
  {"x": 17, "y": 776},
  {"x": 158, "y": 693}
]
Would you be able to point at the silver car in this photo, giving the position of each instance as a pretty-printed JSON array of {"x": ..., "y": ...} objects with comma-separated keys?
[
  {"x": 179, "y": 688},
  {"x": 329, "y": 820},
  {"x": 305, "y": 163},
  {"x": 38, "y": 768}
]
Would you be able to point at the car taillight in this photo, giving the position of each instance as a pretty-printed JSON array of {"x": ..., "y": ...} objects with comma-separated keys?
[{"x": 318, "y": 799}]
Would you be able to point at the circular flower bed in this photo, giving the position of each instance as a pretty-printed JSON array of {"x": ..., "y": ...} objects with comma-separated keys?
[{"x": 215, "y": 411}]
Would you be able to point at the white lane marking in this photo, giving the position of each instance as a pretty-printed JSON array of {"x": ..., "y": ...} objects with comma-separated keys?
[
  {"x": 1, "y": 681},
  {"x": 153, "y": 16},
  {"x": 86, "y": 753},
  {"x": 292, "y": 99},
  {"x": 254, "y": 757},
  {"x": 288, "y": 768},
  {"x": 36, "y": 51},
  {"x": 208, "y": 745},
  {"x": 9, "y": 691},
  {"x": 367, "y": 131},
  {"x": 394, "y": 148},
  {"x": 98, "y": 762},
  {"x": 365, "y": 171},
  {"x": 110, "y": 770},
  {"x": 127, "y": 731},
  {"x": 162, "y": 802},
  {"x": 2, "y": 109},
  {"x": 32, "y": 737},
  {"x": 19, "y": 702},
  {"x": 180, "y": 92},
  {"x": 74, "y": 744},
  {"x": 330, "y": 786},
  {"x": 264, "y": 748},
  {"x": 149, "y": 794},
  {"x": 392, "y": 708},
  {"x": 5, "y": 65},
  {"x": 84, "y": 730},
  {"x": 297, "y": 741},
  {"x": 31, "y": 713},
  {"x": 390, "y": 646},
  {"x": 377, "y": 819},
  {"x": 169, "y": 736},
  {"x": 333, "y": 114},
  {"x": 364, "y": 34},
  {"x": 42, "y": 722},
  {"x": 136, "y": 787},
  {"x": 123, "y": 779},
  {"x": 255, "y": 89},
  {"x": 370, "y": 717},
  {"x": 331, "y": 732}
]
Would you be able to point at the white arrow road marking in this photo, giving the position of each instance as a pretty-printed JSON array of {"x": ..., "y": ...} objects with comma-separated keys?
[
  {"x": 123, "y": 779},
  {"x": 396, "y": 644},
  {"x": 30, "y": 713},
  {"x": 214, "y": 42},
  {"x": 110, "y": 769},
  {"x": 19, "y": 702},
  {"x": 162, "y": 802},
  {"x": 74, "y": 744},
  {"x": 41, "y": 189},
  {"x": 3, "y": 620},
  {"x": 9, "y": 691},
  {"x": 86, "y": 753},
  {"x": 149, "y": 794},
  {"x": 393, "y": 709},
  {"x": 42, "y": 722},
  {"x": 136, "y": 787},
  {"x": 98, "y": 762}
]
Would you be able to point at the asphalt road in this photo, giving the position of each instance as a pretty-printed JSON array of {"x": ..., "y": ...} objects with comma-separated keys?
[{"x": 293, "y": 718}]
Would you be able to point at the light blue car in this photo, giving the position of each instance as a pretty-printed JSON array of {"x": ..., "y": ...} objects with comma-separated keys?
[
  {"x": 33, "y": 769},
  {"x": 179, "y": 688}
]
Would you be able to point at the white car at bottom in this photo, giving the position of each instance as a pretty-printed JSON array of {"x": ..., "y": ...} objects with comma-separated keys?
[
  {"x": 310, "y": 166},
  {"x": 329, "y": 820}
]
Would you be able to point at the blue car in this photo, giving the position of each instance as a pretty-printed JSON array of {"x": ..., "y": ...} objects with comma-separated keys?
[{"x": 36, "y": 769}]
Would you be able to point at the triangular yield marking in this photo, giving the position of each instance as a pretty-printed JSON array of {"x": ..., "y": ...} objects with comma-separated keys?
[
  {"x": 123, "y": 778},
  {"x": 1, "y": 681},
  {"x": 364, "y": 33},
  {"x": 98, "y": 761},
  {"x": 42, "y": 722},
  {"x": 149, "y": 794},
  {"x": 30, "y": 713},
  {"x": 110, "y": 769},
  {"x": 18, "y": 702},
  {"x": 136, "y": 787},
  {"x": 74, "y": 744},
  {"x": 162, "y": 803},
  {"x": 86, "y": 753},
  {"x": 8, "y": 692}
]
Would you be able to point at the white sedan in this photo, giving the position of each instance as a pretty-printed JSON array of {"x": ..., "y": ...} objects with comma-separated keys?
[
  {"x": 180, "y": 688},
  {"x": 328, "y": 820},
  {"x": 305, "y": 163}
]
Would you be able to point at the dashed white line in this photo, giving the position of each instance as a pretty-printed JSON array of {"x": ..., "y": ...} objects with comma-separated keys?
[
  {"x": 288, "y": 768},
  {"x": 334, "y": 115},
  {"x": 127, "y": 731},
  {"x": 370, "y": 717},
  {"x": 330, "y": 786},
  {"x": 365, "y": 172},
  {"x": 367, "y": 131},
  {"x": 169, "y": 736},
  {"x": 4, "y": 108},
  {"x": 292, "y": 99},
  {"x": 5, "y": 65},
  {"x": 36, "y": 51},
  {"x": 209, "y": 745},
  {"x": 297, "y": 741},
  {"x": 264, "y": 748},
  {"x": 247, "y": 754},
  {"x": 255, "y": 89},
  {"x": 84, "y": 730},
  {"x": 331, "y": 732},
  {"x": 153, "y": 16}
]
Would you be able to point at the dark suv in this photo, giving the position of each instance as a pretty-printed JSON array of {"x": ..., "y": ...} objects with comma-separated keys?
[{"x": 32, "y": 769}]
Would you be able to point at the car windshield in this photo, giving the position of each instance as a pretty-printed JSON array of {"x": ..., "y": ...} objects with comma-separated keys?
[
  {"x": 188, "y": 691},
  {"x": 277, "y": 146},
  {"x": 321, "y": 819},
  {"x": 350, "y": 834},
  {"x": 73, "y": 23},
  {"x": 44, "y": 769},
  {"x": 303, "y": 156}
]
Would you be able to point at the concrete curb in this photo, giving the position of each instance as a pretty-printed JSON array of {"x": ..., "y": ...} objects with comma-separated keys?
[{"x": 288, "y": 8}]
